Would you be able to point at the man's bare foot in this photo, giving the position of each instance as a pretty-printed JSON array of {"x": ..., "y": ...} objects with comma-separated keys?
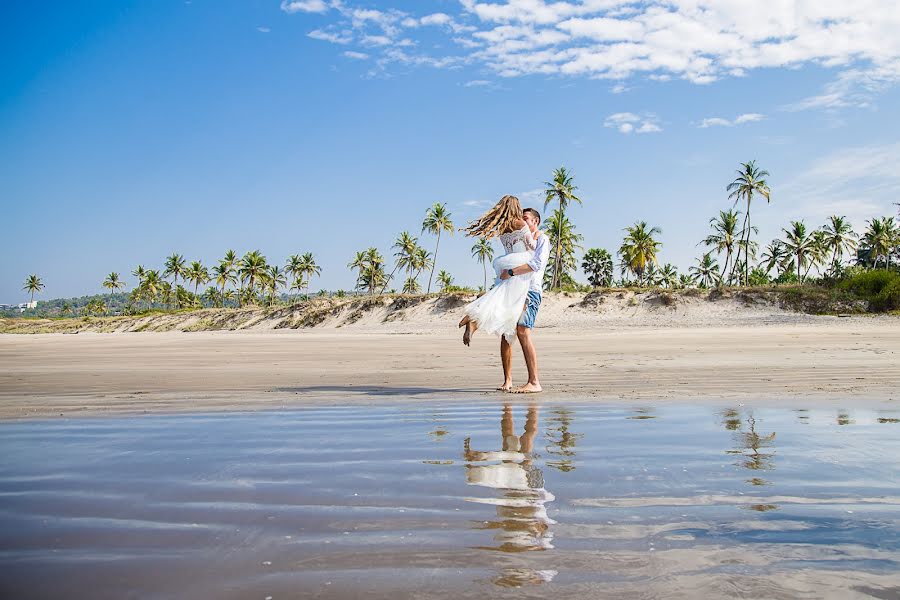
[
  {"x": 528, "y": 388},
  {"x": 506, "y": 387}
]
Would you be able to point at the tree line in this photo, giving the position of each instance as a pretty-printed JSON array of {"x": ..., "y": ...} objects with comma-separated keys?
[{"x": 732, "y": 257}]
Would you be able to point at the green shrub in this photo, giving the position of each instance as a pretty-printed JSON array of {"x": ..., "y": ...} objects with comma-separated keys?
[
  {"x": 888, "y": 298},
  {"x": 869, "y": 283},
  {"x": 881, "y": 288}
]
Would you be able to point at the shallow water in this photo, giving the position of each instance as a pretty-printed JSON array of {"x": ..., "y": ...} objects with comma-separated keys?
[{"x": 454, "y": 500}]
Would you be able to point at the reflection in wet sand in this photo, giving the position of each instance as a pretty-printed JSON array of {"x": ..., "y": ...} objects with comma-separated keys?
[
  {"x": 750, "y": 445},
  {"x": 522, "y": 523},
  {"x": 561, "y": 440},
  {"x": 374, "y": 502}
]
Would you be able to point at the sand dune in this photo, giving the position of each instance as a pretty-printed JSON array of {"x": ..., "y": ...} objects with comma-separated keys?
[{"x": 417, "y": 314}]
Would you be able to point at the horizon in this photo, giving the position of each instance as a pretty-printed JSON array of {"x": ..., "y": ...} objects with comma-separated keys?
[{"x": 131, "y": 131}]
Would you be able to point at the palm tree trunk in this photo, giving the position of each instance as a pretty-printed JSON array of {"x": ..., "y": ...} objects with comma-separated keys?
[
  {"x": 555, "y": 283},
  {"x": 727, "y": 261},
  {"x": 434, "y": 262},
  {"x": 747, "y": 247},
  {"x": 737, "y": 257},
  {"x": 389, "y": 278},
  {"x": 484, "y": 264}
]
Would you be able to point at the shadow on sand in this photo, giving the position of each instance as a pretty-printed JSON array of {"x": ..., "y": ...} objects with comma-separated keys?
[{"x": 372, "y": 390}]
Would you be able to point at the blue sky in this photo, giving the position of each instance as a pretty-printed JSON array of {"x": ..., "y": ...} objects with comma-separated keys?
[{"x": 132, "y": 130}]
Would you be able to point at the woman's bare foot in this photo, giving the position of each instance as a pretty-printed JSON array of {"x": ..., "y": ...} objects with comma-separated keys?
[
  {"x": 465, "y": 321},
  {"x": 471, "y": 328},
  {"x": 529, "y": 388},
  {"x": 506, "y": 387}
]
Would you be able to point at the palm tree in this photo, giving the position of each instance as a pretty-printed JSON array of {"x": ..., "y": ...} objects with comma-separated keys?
[
  {"x": 370, "y": 266},
  {"x": 774, "y": 254},
  {"x": 563, "y": 243},
  {"x": 197, "y": 274},
  {"x": 798, "y": 244},
  {"x": 437, "y": 219},
  {"x": 639, "y": 249},
  {"x": 668, "y": 276},
  {"x": 840, "y": 237},
  {"x": 421, "y": 260},
  {"x": 561, "y": 190},
  {"x": 223, "y": 274},
  {"x": 140, "y": 272},
  {"x": 444, "y": 279},
  {"x": 308, "y": 268},
  {"x": 165, "y": 292},
  {"x": 252, "y": 267},
  {"x": 406, "y": 245},
  {"x": 231, "y": 261},
  {"x": 294, "y": 268},
  {"x": 685, "y": 281},
  {"x": 483, "y": 252},
  {"x": 725, "y": 236},
  {"x": 296, "y": 284},
  {"x": 706, "y": 272},
  {"x": 749, "y": 181},
  {"x": 113, "y": 283},
  {"x": 151, "y": 286},
  {"x": 880, "y": 239},
  {"x": 598, "y": 266},
  {"x": 174, "y": 266},
  {"x": 33, "y": 284},
  {"x": 411, "y": 286},
  {"x": 818, "y": 250},
  {"x": 274, "y": 279},
  {"x": 374, "y": 273},
  {"x": 213, "y": 296},
  {"x": 359, "y": 263}
]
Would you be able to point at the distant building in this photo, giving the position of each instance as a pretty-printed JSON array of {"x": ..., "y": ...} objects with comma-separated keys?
[{"x": 22, "y": 306}]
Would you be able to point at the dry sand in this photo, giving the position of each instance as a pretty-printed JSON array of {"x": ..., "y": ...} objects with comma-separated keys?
[{"x": 771, "y": 360}]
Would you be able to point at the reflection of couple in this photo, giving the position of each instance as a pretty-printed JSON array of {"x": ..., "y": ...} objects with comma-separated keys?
[
  {"x": 510, "y": 308},
  {"x": 522, "y": 523}
]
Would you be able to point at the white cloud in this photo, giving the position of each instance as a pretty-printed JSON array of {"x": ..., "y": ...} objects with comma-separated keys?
[
  {"x": 619, "y": 88},
  {"x": 628, "y": 122},
  {"x": 356, "y": 55},
  {"x": 859, "y": 183},
  {"x": 477, "y": 83},
  {"x": 376, "y": 40},
  {"x": 343, "y": 37},
  {"x": 748, "y": 118},
  {"x": 436, "y": 19},
  {"x": 700, "y": 41},
  {"x": 739, "y": 120},
  {"x": 533, "y": 198},
  {"x": 262, "y": 29},
  {"x": 309, "y": 6}
]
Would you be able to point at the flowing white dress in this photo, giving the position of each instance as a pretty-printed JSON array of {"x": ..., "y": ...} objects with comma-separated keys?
[{"x": 498, "y": 310}]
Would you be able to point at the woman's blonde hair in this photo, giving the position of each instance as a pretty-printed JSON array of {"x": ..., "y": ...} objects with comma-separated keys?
[{"x": 502, "y": 218}]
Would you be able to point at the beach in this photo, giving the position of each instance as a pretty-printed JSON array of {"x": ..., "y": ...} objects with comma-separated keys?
[{"x": 821, "y": 359}]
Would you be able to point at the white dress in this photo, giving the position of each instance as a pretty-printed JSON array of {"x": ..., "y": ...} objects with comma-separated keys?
[{"x": 498, "y": 310}]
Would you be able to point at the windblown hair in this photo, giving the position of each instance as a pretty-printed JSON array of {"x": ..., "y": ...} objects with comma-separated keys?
[{"x": 504, "y": 217}]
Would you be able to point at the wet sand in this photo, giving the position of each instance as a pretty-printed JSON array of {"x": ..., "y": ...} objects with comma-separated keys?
[
  {"x": 839, "y": 361},
  {"x": 455, "y": 500}
]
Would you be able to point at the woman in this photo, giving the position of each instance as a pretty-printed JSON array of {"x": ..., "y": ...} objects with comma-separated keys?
[{"x": 498, "y": 310}]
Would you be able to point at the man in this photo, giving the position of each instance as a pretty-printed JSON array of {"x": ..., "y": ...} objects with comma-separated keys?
[{"x": 534, "y": 269}]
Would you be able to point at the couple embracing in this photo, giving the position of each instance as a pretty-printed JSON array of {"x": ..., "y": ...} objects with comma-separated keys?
[{"x": 509, "y": 309}]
